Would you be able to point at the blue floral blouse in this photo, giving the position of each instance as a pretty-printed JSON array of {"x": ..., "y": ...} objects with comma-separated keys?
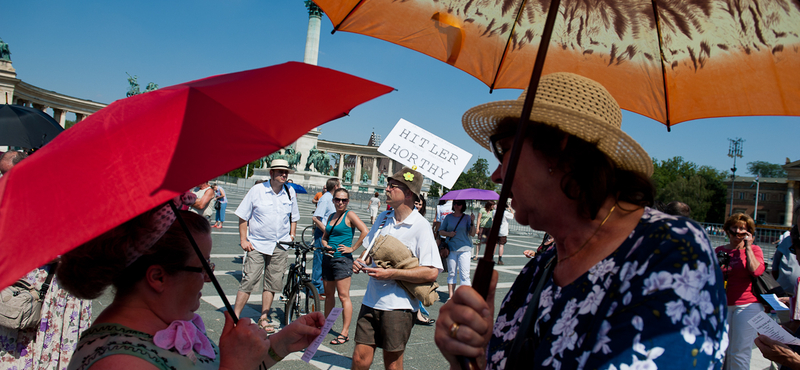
[{"x": 657, "y": 302}]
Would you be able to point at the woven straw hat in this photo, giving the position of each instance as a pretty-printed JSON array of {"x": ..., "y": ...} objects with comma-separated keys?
[
  {"x": 280, "y": 164},
  {"x": 574, "y": 104}
]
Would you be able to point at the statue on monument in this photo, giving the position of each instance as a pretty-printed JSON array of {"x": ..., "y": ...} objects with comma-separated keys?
[
  {"x": 134, "y": 88},
  {"x": 312, "y": 157},
  {"x": 364, "y": 178},
  {"x": 5, "y": 52},
  {"x": 293, "y": 157},
  {"x": 348, "y": 176},
  {"x": 382, "y": 179}
]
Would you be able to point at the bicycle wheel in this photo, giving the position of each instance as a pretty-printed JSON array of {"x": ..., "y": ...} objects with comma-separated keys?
[
  {"x": 307, "y": 236},
  {"x": 304, "y": 300}
]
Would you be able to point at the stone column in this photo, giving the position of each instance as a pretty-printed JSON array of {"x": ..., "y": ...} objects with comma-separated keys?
[
  {"x": 79, "y": 117},
  {"x": 40, "y": 107},
  {"x": 789, "y": 203},
  {"x": 60, "y": 116},
  {"x": 374, "y": 171},
  {"x": 312, "y": 37},
  {"x": 340, "y": 168},
  {"x": 357, "y": 172}
]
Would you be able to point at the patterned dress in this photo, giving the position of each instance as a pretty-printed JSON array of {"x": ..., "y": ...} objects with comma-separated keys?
[
  {"x": 113, "y": 339},
  {"x": 656, "y": 302},
  {"x": 51, "y": 344}
]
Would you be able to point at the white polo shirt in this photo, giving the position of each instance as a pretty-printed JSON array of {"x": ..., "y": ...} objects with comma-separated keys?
[
  {"x": 269, "y": 216},
  {"x": 415, "y": 232}
]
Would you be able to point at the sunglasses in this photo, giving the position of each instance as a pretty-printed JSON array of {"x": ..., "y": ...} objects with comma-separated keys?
[
  {"x": 198, "y": 269},
  {"x": 341, "y": 200},
  {"x": 394, "y": 186},
  {"x": 497, "y": 149}
]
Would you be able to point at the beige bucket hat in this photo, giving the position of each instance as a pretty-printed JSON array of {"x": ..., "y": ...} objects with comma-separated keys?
[{"x": 574, "y": 104}]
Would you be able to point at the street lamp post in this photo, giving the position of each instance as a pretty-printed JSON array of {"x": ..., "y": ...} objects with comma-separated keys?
[{"x": 734, "y": 150}]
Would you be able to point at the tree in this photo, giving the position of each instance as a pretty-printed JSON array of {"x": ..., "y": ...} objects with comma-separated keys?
[
  {"x": 765, "y": 169},
  {"x": 69, "y": 123},
  {"x": 434, "y": 190},
  {"x": 477, "y": 177},
  {"x": 700, "y": 187},
  {"x": 240, "y": 172}
]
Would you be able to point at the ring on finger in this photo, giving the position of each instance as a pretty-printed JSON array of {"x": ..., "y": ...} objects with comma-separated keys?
[{"x": 454, "y": 330}]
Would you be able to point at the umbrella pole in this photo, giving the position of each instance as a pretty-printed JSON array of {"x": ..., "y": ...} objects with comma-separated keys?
[
  {"x": 483, "y": 272},
  {"x": 205, "y": 263}
]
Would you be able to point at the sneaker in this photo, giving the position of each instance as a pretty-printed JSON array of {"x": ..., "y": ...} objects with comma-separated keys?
[{"x": 500, "y": 262}]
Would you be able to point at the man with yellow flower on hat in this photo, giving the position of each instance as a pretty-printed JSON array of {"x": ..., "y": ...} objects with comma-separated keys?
[{"x": 388, "y": 310}]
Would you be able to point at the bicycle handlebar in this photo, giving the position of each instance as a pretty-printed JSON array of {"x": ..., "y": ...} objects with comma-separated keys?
[{"x": 294, "y": 244}]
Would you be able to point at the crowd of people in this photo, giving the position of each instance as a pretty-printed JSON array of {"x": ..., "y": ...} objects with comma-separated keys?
[{"x": 615, "y": 283}]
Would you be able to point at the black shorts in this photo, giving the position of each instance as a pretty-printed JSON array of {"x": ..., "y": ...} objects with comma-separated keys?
[{"x": 337, "y": 268}]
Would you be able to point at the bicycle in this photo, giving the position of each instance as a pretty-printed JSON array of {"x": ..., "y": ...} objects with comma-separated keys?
[{"x": 302, "y": 295}]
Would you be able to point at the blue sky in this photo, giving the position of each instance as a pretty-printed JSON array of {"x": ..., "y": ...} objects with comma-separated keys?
[{"x": 85, "y": 48}]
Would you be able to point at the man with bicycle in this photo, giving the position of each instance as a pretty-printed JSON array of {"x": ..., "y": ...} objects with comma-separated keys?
[
  {"x": 388, "y": 310},
  {"x": 268, "y": 214}
]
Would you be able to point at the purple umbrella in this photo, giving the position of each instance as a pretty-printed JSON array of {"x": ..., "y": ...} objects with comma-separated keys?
[{"x": 471, "y": 194}]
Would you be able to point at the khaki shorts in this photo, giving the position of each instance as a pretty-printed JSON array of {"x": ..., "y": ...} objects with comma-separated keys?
[
  {"x": 254, "y": 265},
  {"x": 389, "y": 330}
]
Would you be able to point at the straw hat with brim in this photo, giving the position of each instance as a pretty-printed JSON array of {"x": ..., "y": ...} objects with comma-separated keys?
[
  {"x": 574, "y": 104},
  {"x": 280, "y": 164}
]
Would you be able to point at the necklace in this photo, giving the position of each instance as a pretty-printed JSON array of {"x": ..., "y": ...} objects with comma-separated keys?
[{"x": 590, "y": 238}]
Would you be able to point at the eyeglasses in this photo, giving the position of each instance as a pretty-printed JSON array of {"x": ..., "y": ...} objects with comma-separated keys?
[
  {"x": 497, "y": 149},
  {"x": 391, "y": 186},
  {"x": 282, "y": 172},
  {"x": 198, "y": 269},
  {"x": 341, "y": 200}
]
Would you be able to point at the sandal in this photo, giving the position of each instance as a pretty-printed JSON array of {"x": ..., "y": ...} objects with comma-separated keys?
[
  {"x": 341, "y": 339},
  {"x": 428, "y": 321},
  {"x": 268, "y": 327}
]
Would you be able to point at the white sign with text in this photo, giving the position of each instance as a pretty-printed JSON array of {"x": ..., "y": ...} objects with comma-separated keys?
[{"x": 425, "y": 152}]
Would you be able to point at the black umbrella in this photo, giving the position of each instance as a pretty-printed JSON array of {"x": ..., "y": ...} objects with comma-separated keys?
[{"x": 26, "y": 127}]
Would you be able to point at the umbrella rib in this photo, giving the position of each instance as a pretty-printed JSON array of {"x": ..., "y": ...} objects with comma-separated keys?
[
  {"x": 508, "y": 42},
  {"x": 663, "y": 59},
  {"x": 336, "y": 27}
]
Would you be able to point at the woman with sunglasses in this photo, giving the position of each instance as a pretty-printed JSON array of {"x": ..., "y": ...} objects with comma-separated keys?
[
  {"x": 337, "y": 263},
  {"x": 157, "y": 279},
  {"x": 746, "y": 262}
]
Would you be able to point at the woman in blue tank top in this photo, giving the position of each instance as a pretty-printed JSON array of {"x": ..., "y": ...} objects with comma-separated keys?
[{"x": 337, "y": 263}]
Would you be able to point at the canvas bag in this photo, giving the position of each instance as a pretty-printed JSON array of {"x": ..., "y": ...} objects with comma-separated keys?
[
  {"x": 21, "y": 303},
  {"x": 389, "y": 252}
]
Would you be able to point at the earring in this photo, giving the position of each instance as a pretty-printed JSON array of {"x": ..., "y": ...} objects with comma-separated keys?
[{"x": 550, "y": 170}]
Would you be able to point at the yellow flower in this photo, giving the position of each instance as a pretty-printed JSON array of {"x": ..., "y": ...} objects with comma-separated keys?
[{"x": 408, "y": 176}]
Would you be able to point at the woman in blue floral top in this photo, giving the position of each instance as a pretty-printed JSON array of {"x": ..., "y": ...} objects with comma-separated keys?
[{"x": 625, "y": 287}]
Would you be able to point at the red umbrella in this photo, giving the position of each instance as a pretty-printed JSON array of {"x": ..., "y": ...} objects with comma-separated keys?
[{"x": 142, "y": 151}]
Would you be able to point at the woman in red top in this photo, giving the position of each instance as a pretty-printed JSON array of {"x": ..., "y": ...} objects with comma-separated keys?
[{"x": 746, "y": 262}]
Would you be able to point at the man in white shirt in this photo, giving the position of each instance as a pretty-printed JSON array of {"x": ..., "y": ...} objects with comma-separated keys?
[
  {"x": 202, "y": 206},
  {"x": 270, "y": 210},
  {"x": 388, "y": 310}
]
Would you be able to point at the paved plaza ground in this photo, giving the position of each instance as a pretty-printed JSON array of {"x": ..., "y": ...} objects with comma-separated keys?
[{"x": 421, "y": 352}]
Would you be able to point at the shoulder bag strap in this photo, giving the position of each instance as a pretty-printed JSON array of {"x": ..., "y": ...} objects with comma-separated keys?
[
  {"x": 51, "y": 271},
  {"x": 525, "y": 325}
]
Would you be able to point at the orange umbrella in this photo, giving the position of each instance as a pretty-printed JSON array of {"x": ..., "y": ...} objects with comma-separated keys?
[{"x": 698, "y": 59}]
